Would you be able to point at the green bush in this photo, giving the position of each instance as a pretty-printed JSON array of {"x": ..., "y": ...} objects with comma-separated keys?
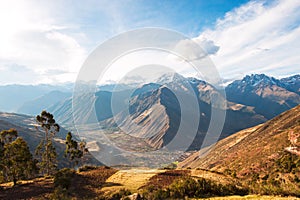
[
  {"x": 59, "y": 194},
  {"x": 170, "y": 166},
  {"x": 120, "y": 194},
  {"x": 191, "y": 188},
  {"x": 63, "y": 178},
  {"x": 288, "y": 162},
  {"x": 86, "y": 168}
]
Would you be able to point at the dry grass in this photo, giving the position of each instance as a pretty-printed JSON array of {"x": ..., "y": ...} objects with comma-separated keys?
[
  {"x": 104, "y": 181},
  {"x": 213, "y": 176},
  {"x": 253, "y": 197},
  {"x": 166, "y": 178},
  {"x": 84, "y": 185},
  {"x": 131, "y": 179},
  {"x": 33, "y": 189}
]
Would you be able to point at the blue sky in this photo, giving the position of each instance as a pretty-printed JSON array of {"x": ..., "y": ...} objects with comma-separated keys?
[{"x": 47, "y": 41}]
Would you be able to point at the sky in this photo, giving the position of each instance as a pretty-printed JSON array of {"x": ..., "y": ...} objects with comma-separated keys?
[{"x": 48, "y": 41}]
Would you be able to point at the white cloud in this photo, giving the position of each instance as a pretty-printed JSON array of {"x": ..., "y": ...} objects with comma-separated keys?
[
  {"x": 258, "y": 37},
  {"x": 31, "y": 37},
  {"x": 208, "y": 45},
  {"x": 53, "y": 36}
]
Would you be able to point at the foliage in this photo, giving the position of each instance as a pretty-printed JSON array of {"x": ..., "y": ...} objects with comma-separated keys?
[
  {"x": 86, "y": 168},
  {"x": 8, "y": 136},
  {"x": 192, "y": 188},
  {"x": 281, "y": 179},
  {"x": 74, "y": 151},
  {"x": 16, "y": 160},
  {"x": 47, "y": 157},
  {"x": 231, "y": 173},
  {"x": 120, "y": 194},
  {"x": 60, "y": 194},
  {"x": 45, "y": 151},
  {"x": 170, "y": 166},
  {"x": 287, "y": 162},
  {"x": 63, "y": 178}
]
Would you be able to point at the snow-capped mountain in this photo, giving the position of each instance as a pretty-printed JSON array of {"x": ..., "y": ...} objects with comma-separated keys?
[
  {"x": 292, "y": 83},
  {"x": 268, "y": 95}
]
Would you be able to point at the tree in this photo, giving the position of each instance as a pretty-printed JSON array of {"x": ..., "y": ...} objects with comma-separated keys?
[
  {"x": 74, "y": 151},
  {"x": 6, "y": 136},
  {"x": 45, "y": 151},
  {"x": 17, "y": 161}
]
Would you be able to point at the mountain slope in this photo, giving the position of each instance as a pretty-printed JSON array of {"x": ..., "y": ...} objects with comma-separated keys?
[
  {"x": 292, "y": 83},
  {"x": 14, "y": 96},
  {"x": 269, "y": 96},
  {"x": 34, "y": 107},
  {"x": 267, "y": 154},
  {"x": 250, "y": 102},
  {"x": 26, "y": 127},
  {"x": 63, "y": 112},
  {"x": 155, "y": 112}
]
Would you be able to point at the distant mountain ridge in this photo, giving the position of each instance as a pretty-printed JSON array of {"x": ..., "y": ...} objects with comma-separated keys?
[
  {"x": 43, "y": 102},
  {"x": 292, "y": 83},
  {"x": 268, "y": 96},
  {"x": 158, "y": 100},
  {"x": 249, "y": 102}
]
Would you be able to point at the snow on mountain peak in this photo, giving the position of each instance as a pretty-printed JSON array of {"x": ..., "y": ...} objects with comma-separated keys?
[{"x": 170, "y": 77}]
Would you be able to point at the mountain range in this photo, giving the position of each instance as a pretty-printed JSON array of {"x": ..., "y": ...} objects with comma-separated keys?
[
  {"x": 269, "y": 96},
  {"x": 13, "y": 97},
  {"x": 153, "y": 112}
]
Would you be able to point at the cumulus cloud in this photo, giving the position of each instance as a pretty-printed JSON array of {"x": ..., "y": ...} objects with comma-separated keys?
[
  {"x": 196, "y": 49},
  {"x": 258, "y": 37},
  {"x": 189, "y": 50},
  {"x": 31, "y": 37},
  {"x": 207, "y": 45}
]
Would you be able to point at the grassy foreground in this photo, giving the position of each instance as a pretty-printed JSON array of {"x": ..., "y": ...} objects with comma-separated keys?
[
  {"x": 263, "y": 197},
  {"x": 111, "y": 184}
]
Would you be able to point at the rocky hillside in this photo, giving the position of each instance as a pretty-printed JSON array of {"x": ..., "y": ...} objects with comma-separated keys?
[
  {"x": 267, "y": 153},
  {"x": 155, "y": 112},
  {"x": 152, "y": 111},
  {"x": 268, "y": 96}
]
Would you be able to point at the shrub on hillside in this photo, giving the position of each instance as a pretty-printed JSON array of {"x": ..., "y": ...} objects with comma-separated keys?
[
  {"x": 60, "y": 194},
  {"x": 63, "y": 178},
  {"x": 288, "y": 162},
  {"x": 192, "y": 188},
  {"x": 120, "y": 194},
  {"x": 86, "y": 168}
]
